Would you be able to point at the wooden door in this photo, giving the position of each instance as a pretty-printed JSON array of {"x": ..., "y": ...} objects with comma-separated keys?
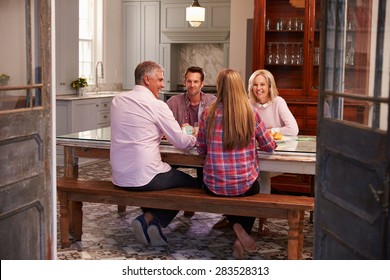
[
  {"x": 26, "y": 195},
  {"x": 351, "y": 218}
]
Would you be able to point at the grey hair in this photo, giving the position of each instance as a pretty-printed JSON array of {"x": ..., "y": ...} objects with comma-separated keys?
[{"x": 146, "y": 68}]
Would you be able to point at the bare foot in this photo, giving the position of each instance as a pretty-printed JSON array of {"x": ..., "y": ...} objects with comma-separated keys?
[
  {"x": 238, "y": 250},
  {"x": 246, "y": 240}
]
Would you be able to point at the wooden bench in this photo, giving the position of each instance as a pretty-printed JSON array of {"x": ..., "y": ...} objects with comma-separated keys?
[{"x": 287, "y": 207}]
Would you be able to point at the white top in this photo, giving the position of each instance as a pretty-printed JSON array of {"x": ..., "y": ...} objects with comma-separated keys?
[
  {"x": 277, "y": 116},
  {"x": 138, "y": 121}
]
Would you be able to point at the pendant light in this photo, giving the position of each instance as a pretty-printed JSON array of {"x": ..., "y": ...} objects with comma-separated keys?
[{"x": 195, "y": 14}]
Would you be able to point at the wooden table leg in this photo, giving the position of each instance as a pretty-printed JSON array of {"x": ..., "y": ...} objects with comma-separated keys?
[
  {"x": 77, "y": 216},
  {"x": 121, "y": 209},
  {"x": 293, "y": 218},
  {"x": 301, "y": 234},
  {"x": 71, "y": 169},
  {"x": 64, "y": 219}
]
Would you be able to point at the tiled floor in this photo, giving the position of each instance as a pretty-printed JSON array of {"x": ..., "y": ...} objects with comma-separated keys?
[{"x": 108, "y": 235}]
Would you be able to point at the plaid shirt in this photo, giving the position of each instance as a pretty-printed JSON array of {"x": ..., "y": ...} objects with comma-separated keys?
[
  {"x": 179, "y": 105},
  {"x": 231, "y": 172}
]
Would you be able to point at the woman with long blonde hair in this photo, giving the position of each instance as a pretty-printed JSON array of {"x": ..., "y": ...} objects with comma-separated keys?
[
  {"x": 277, "y": 117},
  {"x": 228, "y": 132}
]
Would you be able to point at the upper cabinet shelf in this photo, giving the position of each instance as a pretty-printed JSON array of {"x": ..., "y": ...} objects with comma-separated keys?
[
  {"x": 286, "y": 41},
  {"x": 286, "y": 44}
]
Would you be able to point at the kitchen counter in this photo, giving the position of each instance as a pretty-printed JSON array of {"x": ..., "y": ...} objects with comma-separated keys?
[{"x": 92, "y": 95}]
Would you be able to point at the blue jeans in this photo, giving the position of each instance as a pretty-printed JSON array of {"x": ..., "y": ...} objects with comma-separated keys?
[{"x": 162, "y": 181}]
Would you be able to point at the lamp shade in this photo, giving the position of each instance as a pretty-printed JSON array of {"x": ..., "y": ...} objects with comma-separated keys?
[{"x": 195, "y": 14}]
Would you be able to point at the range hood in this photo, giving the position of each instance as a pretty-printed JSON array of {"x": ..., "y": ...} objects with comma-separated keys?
[
  {"x": 175, "y": 28},
  {"x": 189, "y": 36}
]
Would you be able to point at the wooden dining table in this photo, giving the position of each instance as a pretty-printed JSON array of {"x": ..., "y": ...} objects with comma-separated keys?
[{"x": 294, "y": 154}]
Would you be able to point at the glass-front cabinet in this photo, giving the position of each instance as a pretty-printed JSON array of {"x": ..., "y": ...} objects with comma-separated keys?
[
  {"x": 287, "y": 43},
  {"x": 350, "y": 44}
]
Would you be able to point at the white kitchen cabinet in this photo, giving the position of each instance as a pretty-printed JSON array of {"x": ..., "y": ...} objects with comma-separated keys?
[
  {"x": 170, "y": 61},
  {"x": 141, "y": 34},
  {"x": 82, "y": 114},
  {"x": 79, "y": 114},
  {"x": 175, "y": 28}
]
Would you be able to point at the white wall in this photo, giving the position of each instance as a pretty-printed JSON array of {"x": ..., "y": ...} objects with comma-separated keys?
[
  {"x": 241, "y": 11},
  {"x": 13, "y": 41}
]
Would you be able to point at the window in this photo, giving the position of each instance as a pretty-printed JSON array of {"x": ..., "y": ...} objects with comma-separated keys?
[
  {"x": 356, "y": 81},
  {"x": 90, "y": 37},
  {"x": 21, "y": 56}
]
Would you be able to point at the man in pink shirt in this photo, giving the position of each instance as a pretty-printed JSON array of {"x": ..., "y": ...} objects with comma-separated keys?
[{"x": 138, "y": 121}]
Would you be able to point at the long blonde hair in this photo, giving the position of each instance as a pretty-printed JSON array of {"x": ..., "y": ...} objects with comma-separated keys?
[
  {"x": 238, "y": 117},
  {"x": 273, "y": 90}
]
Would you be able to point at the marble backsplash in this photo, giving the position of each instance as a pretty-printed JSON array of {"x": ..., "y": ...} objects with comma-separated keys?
[{"x": 208, "y": 56}]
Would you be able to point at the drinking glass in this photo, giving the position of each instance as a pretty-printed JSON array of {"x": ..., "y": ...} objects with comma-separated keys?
[
  {"x": 292, "y": 54},
  {"x": 290, "y": 24},
  {"x": 270, "y": 55},
  {"x": 299, "y": 57},
  {"x": 285, "y": 55},
  {"x": 316, "y": 56},
  {"x": 277, "y": 54},
  {"x": 268, "y": 24}
]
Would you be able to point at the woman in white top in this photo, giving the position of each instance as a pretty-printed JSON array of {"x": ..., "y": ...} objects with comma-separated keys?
[
  {"x": 275, "y": 112},
  {"x": 277, "y": 117}
]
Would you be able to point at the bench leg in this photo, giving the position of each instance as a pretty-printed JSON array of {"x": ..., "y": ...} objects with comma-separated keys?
[
  {"x": 121, "y": 209},
  {"x": 301, "y": 234},
  {"x": 77, "y": 219},
  {"x": 295, "y": 234},
  {"x": 64, "y": 219}
]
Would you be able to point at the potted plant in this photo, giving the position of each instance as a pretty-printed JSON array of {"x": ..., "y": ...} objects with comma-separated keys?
[
  {"x": 79, "y": 83},
  {"x": 4, "y": 78}
]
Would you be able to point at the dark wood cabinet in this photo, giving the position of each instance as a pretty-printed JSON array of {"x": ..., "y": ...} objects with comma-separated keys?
[{"x": 286, "y": 42}]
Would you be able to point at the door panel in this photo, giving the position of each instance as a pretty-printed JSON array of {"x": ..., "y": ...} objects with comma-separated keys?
[
  {"x": 349, "y": 219},
  {"x": 26, "y": 204},
  {"x": 352, "y": 183}
]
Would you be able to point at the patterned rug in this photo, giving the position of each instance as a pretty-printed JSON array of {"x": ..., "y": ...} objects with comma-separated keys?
[{"x": 109, "y": 235}]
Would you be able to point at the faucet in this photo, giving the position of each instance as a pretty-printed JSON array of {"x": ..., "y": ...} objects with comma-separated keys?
[{"x": 97, "y": 75}]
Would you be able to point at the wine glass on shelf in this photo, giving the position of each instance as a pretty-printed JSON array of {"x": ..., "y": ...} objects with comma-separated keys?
[
  {"x": 268, "y": 24},
  {"x": 269, "y": 55},
  {"x": 290, "y": 24},
  {"x": 316, "y": 56},
  {"x": 285, "y": 55},
  {"x": 277, "y": 54},
  {"x": 292, "y": 54},
  {"x": 299, "y": 54}
]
